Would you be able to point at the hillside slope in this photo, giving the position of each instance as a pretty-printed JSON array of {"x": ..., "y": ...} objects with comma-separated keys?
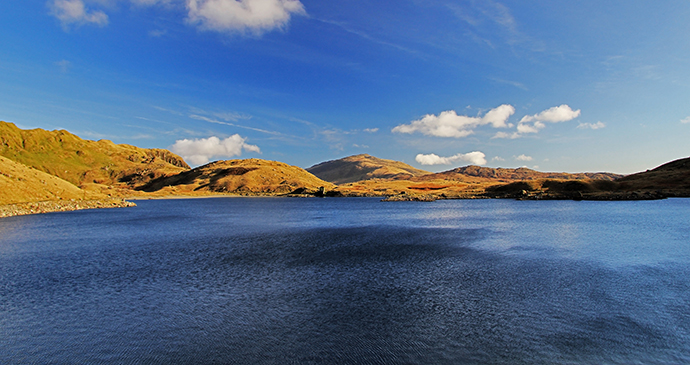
[
  {"x": 245, "y": 177},
  {"x": 672, "y": 178},
  {"x": 363, "y": 167},
  {"x": 20, "y": 184},
  {"x": 79, "y": 161}
]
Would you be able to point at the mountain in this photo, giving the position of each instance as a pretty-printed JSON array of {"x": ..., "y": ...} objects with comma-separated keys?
[
  {"x": 518, "y": 174},
  {"x": 245, "y": 177},
  {"x": 363, "y": 167},
  {"x": 79, "y": 161}
]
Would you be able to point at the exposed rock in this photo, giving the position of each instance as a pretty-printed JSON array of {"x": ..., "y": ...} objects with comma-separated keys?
[{"x": 60, "y": 206}]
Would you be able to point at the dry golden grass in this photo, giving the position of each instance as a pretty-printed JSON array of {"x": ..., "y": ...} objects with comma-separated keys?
[{"x": 21, "y": 184}]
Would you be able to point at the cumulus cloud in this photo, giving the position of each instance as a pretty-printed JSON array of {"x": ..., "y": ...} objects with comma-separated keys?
[
  {"x": 556, "y": 114},
  {"x": 597, "y": 125},
  {"x": 450, "y": 124},
  {"x": 476, "y": 158},
  {"x": 535, "y": 123},
  {"x": 74, "y": 12},
  {"x": 685, "y": 121},
  {"x": 256, "y": 16},
  {"x": 200, "y": 151},
  {"x": 241, "y": 16},
  {"x": 523, "y": 157}
]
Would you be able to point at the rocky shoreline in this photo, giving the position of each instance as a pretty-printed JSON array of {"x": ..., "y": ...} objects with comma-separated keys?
[{"x": 11, "y": 210}]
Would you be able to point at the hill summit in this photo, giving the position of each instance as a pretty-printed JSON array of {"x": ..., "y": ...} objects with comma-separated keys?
[{"x": 363, "y": 167}]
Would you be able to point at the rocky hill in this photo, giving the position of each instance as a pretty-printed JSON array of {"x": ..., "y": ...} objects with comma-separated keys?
[
  {"x": 363, "y": 167},
  {"x": 62, "y": 154},
  {"x": 245, "y": 177}
]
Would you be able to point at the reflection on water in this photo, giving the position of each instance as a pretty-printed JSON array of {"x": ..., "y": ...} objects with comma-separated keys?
[{"x": 348, "y": 281}]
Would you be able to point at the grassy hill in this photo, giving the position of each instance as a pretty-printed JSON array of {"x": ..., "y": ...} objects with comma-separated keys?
[
  {"x": 363, "y": 167},
  {"x": 245, "y": 177},
  {"x": 20, "y": 184},
  {"x": 79, "y": 161}
]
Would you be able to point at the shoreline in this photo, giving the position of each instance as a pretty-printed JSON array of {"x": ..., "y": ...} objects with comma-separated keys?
[{"x": 18, "y": 209}]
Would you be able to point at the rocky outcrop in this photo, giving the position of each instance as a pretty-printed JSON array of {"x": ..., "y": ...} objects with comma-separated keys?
[{"x": 60, "y": 206}]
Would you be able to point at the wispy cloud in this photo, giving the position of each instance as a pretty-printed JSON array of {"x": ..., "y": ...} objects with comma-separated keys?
[
  {"x": 475, "y": 157},
  {"x": 200, "y": 151},
  {"x": 685, "y": 121},
  {"x": 597, "y": 125},
  {"x": 215, "y": 121},
  {"x": 64, "y": 65},
  {"x": 75, "y": 13},
  {"x": 508, "y": 82},
  {"x": 523, "y": 157},
  {"x": 366, "y": 36},
  {"x": 450, "y": 124}
]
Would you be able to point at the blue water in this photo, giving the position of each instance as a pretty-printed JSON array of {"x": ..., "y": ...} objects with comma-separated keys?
[{"x": 274, "y": 280}]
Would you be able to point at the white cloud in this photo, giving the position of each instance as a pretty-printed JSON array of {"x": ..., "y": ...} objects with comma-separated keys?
[
  {"x": 556, "y": 114},
  {"x": 371, "y": 130},
  {"x": 256, "y": 16},
  {"x": 200, "y": 151},
  {"x": 497, "y": 158},
  {"x": 597, "y": 125},
  {"x": 535, "y": 123},
  {"x": 523, "y": 157},
  {"x": 685, "y": 121},
  {"x": 450, "y": 124},
  {"x": 476, "y": 158},
  {"x": 75, "y": 12}
]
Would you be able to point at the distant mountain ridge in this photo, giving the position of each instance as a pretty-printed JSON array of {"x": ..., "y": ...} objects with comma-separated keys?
[
  {"x": 521, "y": 173},
  {"x": 363, "y": 167}
]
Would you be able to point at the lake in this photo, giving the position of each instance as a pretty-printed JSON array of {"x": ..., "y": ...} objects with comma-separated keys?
[{"x": 290, "y": 280}]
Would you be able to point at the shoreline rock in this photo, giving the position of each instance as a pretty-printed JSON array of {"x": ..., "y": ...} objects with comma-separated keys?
[{"x": 12, "y": 210}]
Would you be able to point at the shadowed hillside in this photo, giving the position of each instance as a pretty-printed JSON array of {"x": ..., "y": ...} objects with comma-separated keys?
[
  {"x": 247, "y": 177},
  {"x": 672, "y": 178},
  {"x": 79, "y": 161},
  {"x": 363, "y": 167}
]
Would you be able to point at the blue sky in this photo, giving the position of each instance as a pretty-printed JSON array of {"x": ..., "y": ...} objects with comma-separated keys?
[{"x": 552, "y": 85}]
